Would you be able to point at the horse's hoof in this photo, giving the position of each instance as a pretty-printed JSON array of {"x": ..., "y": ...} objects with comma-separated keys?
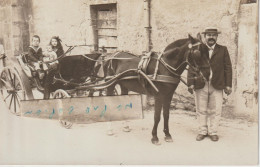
[
  {"x": 110, "y": 133},
  {"x": 126, "y": 129},
  {"x": 168, "y": 139},
  {"x": 155, "y": 141}
]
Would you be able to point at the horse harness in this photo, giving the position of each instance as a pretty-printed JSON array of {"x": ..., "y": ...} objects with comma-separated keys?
[
  {"x": 142, "y": 72},
  {"x": 145, "y": 60}
]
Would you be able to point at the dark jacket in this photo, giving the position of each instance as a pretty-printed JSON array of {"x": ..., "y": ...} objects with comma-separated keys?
[
  {"x": 34, "y": 55},
  {"x": 221, "y": 67}
]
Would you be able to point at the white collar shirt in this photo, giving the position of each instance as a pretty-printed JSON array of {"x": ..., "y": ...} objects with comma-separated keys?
[
  {"x": 211, "y": 48},
  {"x": 210, "y": 55}
]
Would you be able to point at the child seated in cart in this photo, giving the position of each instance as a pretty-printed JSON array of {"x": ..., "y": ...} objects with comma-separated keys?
[
  {"x": 48, "y": 58},
  {"x": 35, "y": 56}
]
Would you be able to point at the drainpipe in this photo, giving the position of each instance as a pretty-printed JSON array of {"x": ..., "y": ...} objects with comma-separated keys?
[{"x": 147, "y": 24}]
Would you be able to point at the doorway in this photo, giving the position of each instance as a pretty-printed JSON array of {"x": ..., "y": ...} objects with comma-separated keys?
[{"x": 104, "y": 22}]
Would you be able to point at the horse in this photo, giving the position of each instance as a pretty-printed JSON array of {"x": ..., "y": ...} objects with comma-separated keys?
[
  {"x": 74, "y": 70},
  {"x": 167, "y": 66}
]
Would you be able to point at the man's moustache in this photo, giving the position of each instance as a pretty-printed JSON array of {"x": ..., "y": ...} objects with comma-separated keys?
[{"x": 212, "y": 40}]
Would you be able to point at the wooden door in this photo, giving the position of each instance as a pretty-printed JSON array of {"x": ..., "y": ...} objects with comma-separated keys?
[{"x": 107, "y": 27}]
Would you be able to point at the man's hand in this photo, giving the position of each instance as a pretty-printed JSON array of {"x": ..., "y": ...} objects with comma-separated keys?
[
  {"x": 228, "y": 90},
  {"x": 191, "y": 88}
]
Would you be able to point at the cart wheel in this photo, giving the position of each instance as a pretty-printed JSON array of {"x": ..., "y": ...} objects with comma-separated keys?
[
  {"x": 112, "y": 91},
  {"x": 62, "y": 94},
  {"x": 12, "y": 89}
]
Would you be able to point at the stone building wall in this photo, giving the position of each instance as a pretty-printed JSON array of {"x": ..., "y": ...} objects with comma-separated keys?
[
  {"x": 6, "y": 26},
  {"x": 66, "y": 19},
  {"x": 247, "y": 62},
  {"x": 14, "y": 27}
]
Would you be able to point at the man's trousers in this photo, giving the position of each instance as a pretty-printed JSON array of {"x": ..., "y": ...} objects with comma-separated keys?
[{"x": 208, "y": 107}]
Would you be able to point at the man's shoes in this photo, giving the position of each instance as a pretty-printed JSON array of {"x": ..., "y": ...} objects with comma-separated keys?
[
  {"x": 214, "y": 137},
  {"x": 200, "y": 137}
]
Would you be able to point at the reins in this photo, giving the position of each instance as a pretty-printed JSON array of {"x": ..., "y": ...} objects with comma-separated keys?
[{"x": 159, "y": 60}]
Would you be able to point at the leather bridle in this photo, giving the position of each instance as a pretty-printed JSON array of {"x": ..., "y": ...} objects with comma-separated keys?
[{"x": 173, "y": 70}]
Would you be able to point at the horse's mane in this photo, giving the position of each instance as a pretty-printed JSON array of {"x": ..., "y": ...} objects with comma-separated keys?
[{"x": 176, "y": 48}]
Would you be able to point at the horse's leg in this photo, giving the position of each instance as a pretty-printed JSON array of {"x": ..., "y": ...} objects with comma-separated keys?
[
  {"x": 166, "y": 114},
  {"x": 91, "y": 92},
  {"x": 110, "y": 91},
  {"x": 157, "y": 117},
  {"x": 124, "y": 91},
  {"x": 109, "y": 129},
  {"x": 126, "y": 127}
]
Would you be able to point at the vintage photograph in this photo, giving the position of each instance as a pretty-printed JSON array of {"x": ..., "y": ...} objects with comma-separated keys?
[{"x": 129, "y": 82}]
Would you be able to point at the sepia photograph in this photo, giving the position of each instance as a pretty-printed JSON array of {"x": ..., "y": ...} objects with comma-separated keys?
[{"x": 129, "y": 82}]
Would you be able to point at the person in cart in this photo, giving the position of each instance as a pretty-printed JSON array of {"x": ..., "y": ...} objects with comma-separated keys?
[
  {"x": 35, "y": 56},
  {"x": 49, "y": 59}
]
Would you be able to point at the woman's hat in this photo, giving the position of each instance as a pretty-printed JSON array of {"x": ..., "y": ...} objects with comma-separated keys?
[{"x": 211, "y": 30}]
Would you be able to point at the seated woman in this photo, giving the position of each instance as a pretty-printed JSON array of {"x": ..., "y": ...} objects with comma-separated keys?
[{"x": 55, "y": 42}]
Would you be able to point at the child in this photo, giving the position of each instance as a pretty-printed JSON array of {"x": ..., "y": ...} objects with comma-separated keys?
[
  {"x": 35, "y": 55},
  {"x": 55, "y": 42},
  {"x": 49, "y": 55}
]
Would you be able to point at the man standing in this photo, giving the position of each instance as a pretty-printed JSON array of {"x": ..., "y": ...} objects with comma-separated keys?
[{"x": 209, "y": 93}]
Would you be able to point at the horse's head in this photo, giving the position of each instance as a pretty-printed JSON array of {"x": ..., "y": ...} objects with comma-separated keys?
[{"x": 183, "y": 52}]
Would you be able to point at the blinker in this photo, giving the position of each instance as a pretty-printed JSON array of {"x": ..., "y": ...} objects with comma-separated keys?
[{"x": 192, "y": 45}]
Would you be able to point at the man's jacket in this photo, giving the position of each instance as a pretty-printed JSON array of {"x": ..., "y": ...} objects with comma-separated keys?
[{"x": 220, "y": 65}]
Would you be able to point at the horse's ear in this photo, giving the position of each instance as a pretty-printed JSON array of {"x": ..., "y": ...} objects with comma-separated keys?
[
  {"x": 192, "y": 40},
  {"x": 199, "y": 37}
]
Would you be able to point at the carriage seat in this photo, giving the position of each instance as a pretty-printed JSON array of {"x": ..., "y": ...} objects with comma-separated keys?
[{"x": 27, "y": 68}]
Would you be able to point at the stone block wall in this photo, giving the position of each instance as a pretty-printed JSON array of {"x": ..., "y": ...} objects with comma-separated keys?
[
  {"x": 247, "y": 62},
  {"x": 6, "y": 25},
  {"x": 14, "y": 27}
]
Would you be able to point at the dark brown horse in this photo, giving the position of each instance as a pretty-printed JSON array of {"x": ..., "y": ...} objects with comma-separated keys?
[
  {"x": 73, "y": 69},
  {"x": 171, "y": 65}
]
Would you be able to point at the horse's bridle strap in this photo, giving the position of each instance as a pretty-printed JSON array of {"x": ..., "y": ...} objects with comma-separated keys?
[
  {"x": 174, "y": 70},
  {"x": 159, "y": 78}
]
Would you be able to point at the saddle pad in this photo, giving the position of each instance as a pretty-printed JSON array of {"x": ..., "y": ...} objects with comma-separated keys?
[{"x": 143, "y": 64}]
